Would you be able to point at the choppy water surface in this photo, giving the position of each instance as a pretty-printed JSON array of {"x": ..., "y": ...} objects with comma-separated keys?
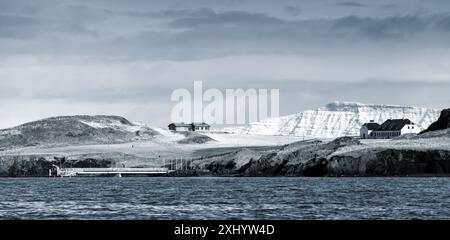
[{"x": 225, "y": 198}]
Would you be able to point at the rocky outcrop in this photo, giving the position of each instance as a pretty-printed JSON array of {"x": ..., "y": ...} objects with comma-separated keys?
[
  {"x": 390, "y": 162},
  {"x": 442, "y": 123},
  {"x": 307, "y": 158},
  {"x": 32, "y": 167},
  {"x": 324, "y": 159},
  {"x": 39, "y": 166}
]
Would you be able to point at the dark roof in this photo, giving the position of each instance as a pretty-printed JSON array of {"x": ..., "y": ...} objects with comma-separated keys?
[
  {"x": 201, "y": 124},
  {"x": 394, "y": 124},
  {"x": 371, "y": 126},
  {"x": 180, "y": 125}
]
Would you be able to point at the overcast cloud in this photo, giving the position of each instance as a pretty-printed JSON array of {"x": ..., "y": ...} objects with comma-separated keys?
[{"x": 62, "y": 57}]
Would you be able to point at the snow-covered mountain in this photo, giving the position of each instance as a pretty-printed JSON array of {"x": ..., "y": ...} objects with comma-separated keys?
[{"x": 337, "y": 119}]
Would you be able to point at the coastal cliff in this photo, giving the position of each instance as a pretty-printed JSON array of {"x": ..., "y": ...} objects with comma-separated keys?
[
  {"x": 43, "y": 165},
  {"x": 325, "y": 159},
  {"x": 341, "y": 157},
  {"x": 426, "y": 154}
]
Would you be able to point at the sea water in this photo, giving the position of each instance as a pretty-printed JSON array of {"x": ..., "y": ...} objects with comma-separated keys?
[{"x": 224, "y": 198}]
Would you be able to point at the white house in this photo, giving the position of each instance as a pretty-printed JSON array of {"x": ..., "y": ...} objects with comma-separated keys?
[
  {"x": 367, "y": 129},
  {"x": 389, "y": 129}
]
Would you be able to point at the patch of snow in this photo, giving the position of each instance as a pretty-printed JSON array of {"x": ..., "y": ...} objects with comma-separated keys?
[
  {"x": 113, "y": 124},
  {"x": 10, "y": 132}
]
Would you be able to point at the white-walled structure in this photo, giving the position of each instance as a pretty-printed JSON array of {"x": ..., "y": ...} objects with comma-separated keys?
[
  {"x": 389, "y": 129},
  {"x": 367, "y": 129}
]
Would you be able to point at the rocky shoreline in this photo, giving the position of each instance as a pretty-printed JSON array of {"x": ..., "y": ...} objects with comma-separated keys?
[
  {"x": 308, "y": 158},
  {"x": 320, "y": 159},
  {"x": 426, "y": 154}
]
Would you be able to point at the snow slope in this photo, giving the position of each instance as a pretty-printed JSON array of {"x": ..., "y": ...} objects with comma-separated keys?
[{"x": 337, "y": 119}]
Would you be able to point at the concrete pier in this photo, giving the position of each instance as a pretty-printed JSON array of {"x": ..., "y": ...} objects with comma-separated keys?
[{"x": 73, "y": 172}]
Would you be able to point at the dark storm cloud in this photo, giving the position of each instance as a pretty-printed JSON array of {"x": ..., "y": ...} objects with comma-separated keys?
[
  {"x": 180, "y": 33},
  {"x": 75, "y": 29},
  {"x": 12, "y": 26},
  {"x": 293, "y": 11},
  {"x": 350, "y": 4},
  {"x": 16, "y": 21},
  {"x": 239, "y": 18},
  {"x": 28, "y": 7},
  {"x": 392, "y": 27},
  {"x": 205, "y": 33},
  {"x": 374, "y": 28},
  {"x": 202, "y": 12},
  {"x": 99, "y": 54},
  {"x": 395, "y": 27},
  {"x": 443, "y": 23},
  {"x": 85, "y": 14},
  {"x": 390, "y": 6},
  {"x": 238, "y": 32},
  {"x": 19, "y": 22},
  {"x": 242, "y": 24}
]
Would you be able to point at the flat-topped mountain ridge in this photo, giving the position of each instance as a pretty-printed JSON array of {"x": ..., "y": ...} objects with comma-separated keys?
[{"x": 337, "y": 119}]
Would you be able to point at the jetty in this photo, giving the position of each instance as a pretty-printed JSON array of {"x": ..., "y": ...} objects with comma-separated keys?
[{"x": 119, "y": 172}]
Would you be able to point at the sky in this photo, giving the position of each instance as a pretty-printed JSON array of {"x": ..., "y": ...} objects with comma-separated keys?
[{"x": 114, "y": 57}]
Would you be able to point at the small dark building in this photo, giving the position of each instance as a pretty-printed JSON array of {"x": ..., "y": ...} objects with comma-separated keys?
[
  {"x": 184, "y": 127},
  {"x": 200, "y": 126},
  {"x": 180, "y": 127}
]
